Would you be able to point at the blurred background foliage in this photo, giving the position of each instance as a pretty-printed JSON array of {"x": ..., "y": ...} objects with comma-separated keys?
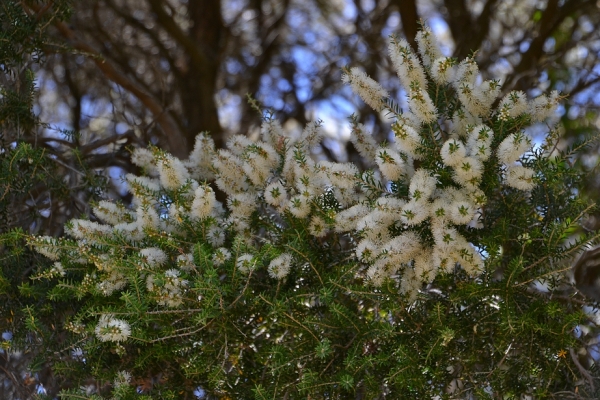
[{"x": 83, "y": 82}]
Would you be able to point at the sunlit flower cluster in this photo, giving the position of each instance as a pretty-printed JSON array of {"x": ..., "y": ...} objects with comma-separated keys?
[
  {"x": 466, "y": 149},
  {"x": 111, "y": 329},
  {"x": 440, "y": 158}
]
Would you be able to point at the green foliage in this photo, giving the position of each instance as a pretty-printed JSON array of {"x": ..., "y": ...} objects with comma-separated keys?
[{"x": 34, "y": 197}]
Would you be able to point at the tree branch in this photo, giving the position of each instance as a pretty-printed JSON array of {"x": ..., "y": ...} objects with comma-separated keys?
[{"x": 176, "y": 141}]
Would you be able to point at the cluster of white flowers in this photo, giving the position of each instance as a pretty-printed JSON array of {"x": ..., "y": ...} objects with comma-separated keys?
[
  {"x": 185, "y": 262},
  {"x": 112, "y": 282},
  {"x": 466, "y": 151},
  {"x": 245, "y": 263},
  {"x": 369, "y": 90},
  {"x": 279, "y": 267},
  {"x": 123, "y": 378},
  {"x": 112, "y": 213},
  {"x": 408, "y": 238},
  {"x": 57, "y": 270},
  {"x": 169, "y": 290},
  {"x": 152, "y": 257},
  {"x": 220, "y": 256},
  {"x": 111, "y": 329}
]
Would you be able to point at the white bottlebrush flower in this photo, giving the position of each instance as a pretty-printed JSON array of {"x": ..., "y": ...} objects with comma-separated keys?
[
  {"x": 441, "y": 260},
  {"x": 453, "y": 152},
  {"x": 422, "y": 185},
  {"x": 289, "y": 162},
  {"x": 367, "y": 250},
  {"x": 242, "y": 205},
  {"x": 445, "y": 237},
  {"x": 275, "y": 194},
  {"x": 123, "y": 378},
  {"x": 471, "y": 98},
  {"x": 311, "y": 135},
  {"x": 462, "y": 212},
  {"x": 428, "y": 46},
  {"x": 407, "y": 64},
  {"x": 271, "y": 131},
  {"x": 439, "y": 210},
  {"x": 215, "y": 236},
  {"x": 170, "y": 290},
  {"x": 469, "y": 259},
  {"x": 237, "y": 144},
  {"x": 176, "y": 213},
  {"x": 451, "y": 194},
  {"x": 153, "y": 256},
  {"x": 111, "y": 283},
  {"x": 341, "y": 175},
  {"x": 468, "y": 172},
  {"x": 391, "y": 165},
  {"x": 390, "y": 204},
  {"x": 185, "y": 262},
  {"x": 131, "y": 231},
  {"x": 83, "y": 229},
  {"x": 220, "y": 256},
  {"x": 147, "y": 218},
  {"x": 376, "y": 275},
  {"x": 375, "y": 225},
  {"x": 488, "y": 92},
  {"x": 403, "y": 247},
  {"x": 259, "y": 159},
  {"x": 461, "y": 119},
  {"x": 47, "y": 246},
  {"x": 407, "y": 139},
  {"x": 477, "y": 197},
  {"x": 409, "y": 119},
  {"x": 199, "y": 163},
  {"x": 311, "y": 184},
  {"x": 301, "y": 161},
  {"x": 346, "y": 220},
  {"x": 543, "y": 106},
  {"x": 364, "y": 142},
  {"x": 414, "y": 212},
  {"x": 173, "y": 289},
  {"x": 421, "y": 105},
  {"x": 442, "y": 70},
  {"x": 512, "y": 105},
  {"x": 57, "y": 270},
  {"x": 245, "y": 263},
  {"x": 280, "y": 266},
  {"x": 144, "y": 159},
  {"x": 187, "y": 190},
  {"x": 172, "y": 172},
  {"x": 111, "y": 213},
  {"x": 204, "y": 201},
  {"x": 104, "y": 262},
  {"x": 257, "y": 170},
  {"x": 520, "y": 177},
  {"x": 231, "y": 178},
  {"x": 513, "y": 147},
  {"x": 424, "y": 267},
  {"x": 142, "y": 187},
  {"x": 479, "y": 142},
  {"x": 299, "y": 206},
  {"x": 348, "y": 197},
  {"x": 111, "y": 329},
  {"x": 466, "y": 72},
  {"x": 317, "y": 226},
  {"x": 368, "y": 89}
]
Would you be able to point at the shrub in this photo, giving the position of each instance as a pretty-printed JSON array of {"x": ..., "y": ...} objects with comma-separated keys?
[{"x": 314, "y": 279}]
